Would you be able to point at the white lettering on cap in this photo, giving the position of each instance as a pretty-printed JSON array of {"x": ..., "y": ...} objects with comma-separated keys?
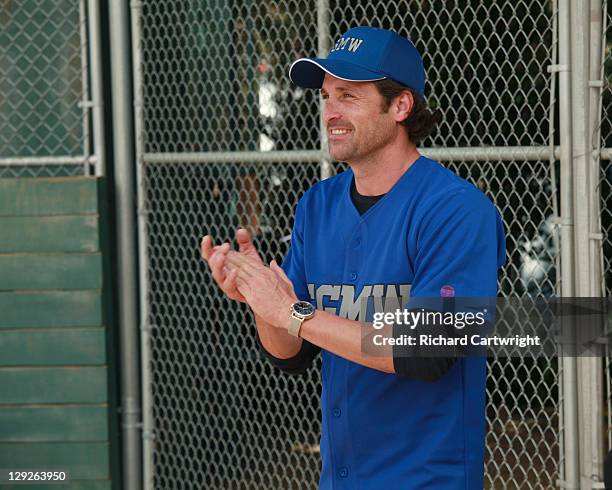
[
  {"x": 352, "y": 42},
  {"x": 355, "y": 43}
]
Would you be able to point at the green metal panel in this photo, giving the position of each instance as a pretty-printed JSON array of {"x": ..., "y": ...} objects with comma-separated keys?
[
  {"x": 83, "y": 460},
  {"x": 51, "y": 271},
  {"x": 75, "y": 233},
  {"x": 53, "y": 385},
  {"x": 53, "y": 423},
  {"x": 57, "y": 402},
  {"x": 52, "y": 347},
  {"x": 74, "y": 485},
  {"x": 50, "y": 309},
  {"x": 48, "y": 196}
]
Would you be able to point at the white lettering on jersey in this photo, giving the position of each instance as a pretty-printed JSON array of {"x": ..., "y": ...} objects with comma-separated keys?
[
  {"x": 354, "y": 308},
  {"x": 330, "y": 291},
  {"x": 385, "y": 298}
]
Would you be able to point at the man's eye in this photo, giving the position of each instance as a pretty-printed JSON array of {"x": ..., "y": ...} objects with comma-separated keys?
[{"x": 346, "y": 95}]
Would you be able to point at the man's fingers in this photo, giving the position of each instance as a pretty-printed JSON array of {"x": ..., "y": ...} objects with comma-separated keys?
[
  {"x": 206, "y": 247},
  {"x": 229, "y": 284},
  {"x": 217, "y": 263},
  {"x": 220, "y": 251},
  {"x": 224, "y": 271},
  {"x": 230, "y": 288},
  {"x": 241, "y": 280},
  {"x": 236, "y": 259}
]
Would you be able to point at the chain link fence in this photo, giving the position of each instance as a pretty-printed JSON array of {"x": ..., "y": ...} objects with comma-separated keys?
[
  {"x": 227, "y": 141},
  {"x": 523, "y": 400},
  {"x": 214, "y": 86},
  {"x": 224, "y": 418},
  {"x": 44, "y": 127}
]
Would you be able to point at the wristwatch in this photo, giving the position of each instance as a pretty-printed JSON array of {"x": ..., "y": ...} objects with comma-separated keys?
[{"x": 300, "y": 311}]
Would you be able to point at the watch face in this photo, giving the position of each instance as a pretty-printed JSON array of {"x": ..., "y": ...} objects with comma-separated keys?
[{"x": 303, "y": 308}]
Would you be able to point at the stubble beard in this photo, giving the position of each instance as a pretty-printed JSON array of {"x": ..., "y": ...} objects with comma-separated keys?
[
  {"x": 353, "y": 152},
  {"x": 342, "y": 152}
]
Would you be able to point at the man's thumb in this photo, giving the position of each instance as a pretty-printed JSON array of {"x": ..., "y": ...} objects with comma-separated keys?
[{"x": 243, "y": 237}]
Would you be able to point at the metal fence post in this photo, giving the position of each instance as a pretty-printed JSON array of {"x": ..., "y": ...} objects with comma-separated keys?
[
  {"x": 143, "y": 260},
  {"x": 322, "y": 50},
  {"x": 128, "y": 285},
  {"x": 84, "y": 103},
  {"x": 590, "y": 379},
  {"x": 595, "y": 84},
  {"x": 569, "y": 402},
  {"x": 97, "y": 104}
]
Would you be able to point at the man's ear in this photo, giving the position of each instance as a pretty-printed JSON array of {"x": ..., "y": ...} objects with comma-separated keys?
[{"x": 403, "y": 106}]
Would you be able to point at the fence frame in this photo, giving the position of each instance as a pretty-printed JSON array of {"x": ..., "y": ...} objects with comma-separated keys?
[{"x": 91, "y": 103}]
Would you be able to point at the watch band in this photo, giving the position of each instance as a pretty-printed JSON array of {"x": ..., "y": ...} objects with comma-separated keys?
[{"x": 295, "y": 325}]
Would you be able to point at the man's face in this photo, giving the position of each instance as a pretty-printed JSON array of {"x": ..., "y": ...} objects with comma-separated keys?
[{"x": 357, "y": 127}]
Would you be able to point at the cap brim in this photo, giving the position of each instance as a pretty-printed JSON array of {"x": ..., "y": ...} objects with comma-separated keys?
[{"x": 310, "y": 72}]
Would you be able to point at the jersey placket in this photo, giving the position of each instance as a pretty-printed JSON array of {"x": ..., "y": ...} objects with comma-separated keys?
[{"x": 344, "y": 470}]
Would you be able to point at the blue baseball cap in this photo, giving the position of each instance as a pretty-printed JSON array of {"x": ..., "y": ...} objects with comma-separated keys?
[{"x": 364, "y": 54}]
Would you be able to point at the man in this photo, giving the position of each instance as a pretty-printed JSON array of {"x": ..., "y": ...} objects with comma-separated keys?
[{"x": 395, "y": 227}]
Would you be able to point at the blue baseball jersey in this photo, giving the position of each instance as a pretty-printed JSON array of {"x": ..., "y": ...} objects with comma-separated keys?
[{"x": 432, "y": 230}]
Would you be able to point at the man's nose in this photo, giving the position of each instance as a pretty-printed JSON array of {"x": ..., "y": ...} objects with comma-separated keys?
[{"x": 330, "y": 111}]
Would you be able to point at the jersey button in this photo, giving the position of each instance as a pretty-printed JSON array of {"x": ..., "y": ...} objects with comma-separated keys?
[
  {"x": 343, "y": 472},
  {"x": 353, "y": 276},
  {"x": 336, "y": 412}
]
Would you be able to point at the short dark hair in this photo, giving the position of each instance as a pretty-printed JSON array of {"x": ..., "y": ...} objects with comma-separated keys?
[{"x": 422, "y": 121}]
